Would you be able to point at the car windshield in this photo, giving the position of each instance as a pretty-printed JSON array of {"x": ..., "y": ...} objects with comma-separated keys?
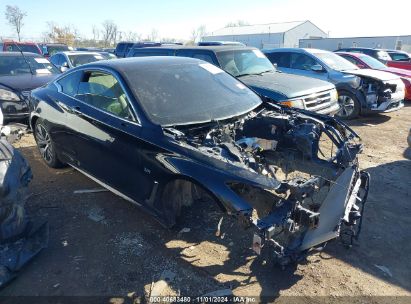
[
  {"x": 373, "y": 63},
  {"x": 17, "y": 65},
  {"x": 335, "y": 62},
  {"x": 244, "y": 62},
  {"x": 190, "y": 93},
  {"x": 24, "y": 48},
  {"x": 52, "y": 49},
  {"x": 80, "y": 59}
]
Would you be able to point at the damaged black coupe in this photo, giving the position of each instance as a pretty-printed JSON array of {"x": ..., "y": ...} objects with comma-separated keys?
[{"x": 163, "y": 131}]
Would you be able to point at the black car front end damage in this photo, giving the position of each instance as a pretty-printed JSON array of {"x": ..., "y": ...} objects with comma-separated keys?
[{"x": 277, "y": 179}]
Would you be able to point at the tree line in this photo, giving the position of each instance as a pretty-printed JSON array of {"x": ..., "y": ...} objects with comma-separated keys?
[{"x": 106, "y": 34}]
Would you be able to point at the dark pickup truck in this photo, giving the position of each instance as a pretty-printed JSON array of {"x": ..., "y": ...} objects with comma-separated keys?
[{"x": 250, "y": 66}]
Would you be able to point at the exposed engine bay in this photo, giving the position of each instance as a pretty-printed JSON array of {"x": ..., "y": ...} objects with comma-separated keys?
[
  {"x": 313, "y": 190},
  {"x": 380, "y": 94}
]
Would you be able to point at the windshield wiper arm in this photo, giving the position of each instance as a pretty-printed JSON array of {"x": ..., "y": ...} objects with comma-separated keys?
[{"x": 245, "y": 74}]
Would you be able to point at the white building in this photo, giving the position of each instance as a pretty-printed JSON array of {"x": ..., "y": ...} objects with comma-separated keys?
[
  {"x": 272, "y": 35},
  {"x": 378, "y": 42}
]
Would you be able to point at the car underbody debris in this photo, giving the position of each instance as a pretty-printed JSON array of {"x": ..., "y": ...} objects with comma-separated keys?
[
  {"x": 20, "y": 238},
  {"x": 294, "y": 195}
]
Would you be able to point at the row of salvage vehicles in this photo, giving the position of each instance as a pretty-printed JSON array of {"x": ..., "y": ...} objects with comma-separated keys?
[{"x": 175, "y": 128}]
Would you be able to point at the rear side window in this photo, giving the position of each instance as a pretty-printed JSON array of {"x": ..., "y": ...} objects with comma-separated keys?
[
  {"x": 204, "y": 57},
  {"x": 350, "y": 59},
  {"x": 103, "y": 91},
  {"x": 120, "y": 47},
  {"x": 399, "y": 56},
  {"x": 69, "y": 84},
  {"x": 302, "y": 62},
  {"x": 282, "y": 59}
]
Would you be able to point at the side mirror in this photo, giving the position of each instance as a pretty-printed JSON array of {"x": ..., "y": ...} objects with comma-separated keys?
[{"x": 317, "y": 68}]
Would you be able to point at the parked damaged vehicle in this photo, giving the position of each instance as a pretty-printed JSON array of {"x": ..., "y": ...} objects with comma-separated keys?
[
  {"x": 360, "y": 91},
  {"x": 19, "y": 74},
  {"x": 168, "y": 130},
  {"x": 367, "y": 62}
]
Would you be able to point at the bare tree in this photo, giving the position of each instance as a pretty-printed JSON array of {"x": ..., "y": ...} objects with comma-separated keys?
[
  {"x": 237, "y": 23},
  {"x": 96, "y": 32},
  {"x": 197, "y": 34},
  {"x": 14, "y": 16},
  {"x": 133, "y": 36},
  {"x": 61, "y": 34},
  {"x": 110, "y": 32},
  {"x": 153, "y": 36}
]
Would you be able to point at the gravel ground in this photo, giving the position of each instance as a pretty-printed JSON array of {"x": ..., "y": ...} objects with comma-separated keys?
[{"x": 100, "y": 245}]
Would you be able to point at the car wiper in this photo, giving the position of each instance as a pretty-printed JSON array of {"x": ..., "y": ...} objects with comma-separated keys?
[
  {"x": 263, "y": 72},
  {"x": 245, "y": 74}
]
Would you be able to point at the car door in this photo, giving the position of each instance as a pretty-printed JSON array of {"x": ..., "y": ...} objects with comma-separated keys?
[
  {"x": 302, "y": 64},
  {"x": 104, "y": 132}
]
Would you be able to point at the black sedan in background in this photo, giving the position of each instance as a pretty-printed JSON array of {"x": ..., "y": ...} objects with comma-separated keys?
[
  {"x": 163, "y": 132},
  {"x": 18, "y": 76}
]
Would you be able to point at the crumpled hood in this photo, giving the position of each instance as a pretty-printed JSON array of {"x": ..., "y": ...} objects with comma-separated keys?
[
  {"x": 26, "y": 82},
  {"x": 288, "y": 85},
  {"x": 374, "y": 74}
]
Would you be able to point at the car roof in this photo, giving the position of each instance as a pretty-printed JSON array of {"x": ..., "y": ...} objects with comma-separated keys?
[
  {"x": 51, "y": 44},
  {"x": 396, "y": 51},
  {"x": 362, "y": 48},
  {"x": 213, "y": 48},
  {"x": 358, "y": 55},
  {"x": 27, "y": 54},
  {"x": 296, "y": 50},
  {"x": 78, "y": 53},
  {"x": 125, "y": 65}
]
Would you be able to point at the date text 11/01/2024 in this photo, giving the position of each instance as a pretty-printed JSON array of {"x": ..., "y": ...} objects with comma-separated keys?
[{"x": 203, "y": 299}]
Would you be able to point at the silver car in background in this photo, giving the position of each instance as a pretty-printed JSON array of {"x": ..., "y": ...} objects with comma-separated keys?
[{"x": 72, "y": 59}]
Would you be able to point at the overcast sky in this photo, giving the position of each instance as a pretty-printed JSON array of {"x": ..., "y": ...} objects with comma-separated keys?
[{"x": 177, "y": 18}]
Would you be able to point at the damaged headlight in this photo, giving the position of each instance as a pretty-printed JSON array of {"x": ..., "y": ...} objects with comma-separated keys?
[
  {"x": 8, "y": 95},
  {"x": 293, "y": 103}
]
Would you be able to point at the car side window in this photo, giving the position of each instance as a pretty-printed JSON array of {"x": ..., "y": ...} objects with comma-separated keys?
[
  {"x": 102, "y": 90},
  {"x": 69, "y": 84},
  {"x": 301, "y": 62},
  {"x": 204, "y": 57},
  {"x": 282, "y": 59},
  {"x": 398, "y": 57},
  {"x": 351, "y": 59}
]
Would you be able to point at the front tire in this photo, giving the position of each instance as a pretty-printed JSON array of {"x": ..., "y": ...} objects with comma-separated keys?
[
  {"x": 45, "y": 145},
  {"x": 349, "y": 105}
]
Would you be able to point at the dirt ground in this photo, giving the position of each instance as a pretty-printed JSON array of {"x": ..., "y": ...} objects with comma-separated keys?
[{"x": 101, "y": 245}]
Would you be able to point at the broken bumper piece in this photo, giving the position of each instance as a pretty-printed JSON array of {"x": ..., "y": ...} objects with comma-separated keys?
[
  {"x": 291, "y": 230},
  {"x": 20, "y": 239}
]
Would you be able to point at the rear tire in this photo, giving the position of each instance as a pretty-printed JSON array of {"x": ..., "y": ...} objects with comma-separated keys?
[
  {"x": 349, "y": 105},
  {"x": 45, "y": 145}
]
